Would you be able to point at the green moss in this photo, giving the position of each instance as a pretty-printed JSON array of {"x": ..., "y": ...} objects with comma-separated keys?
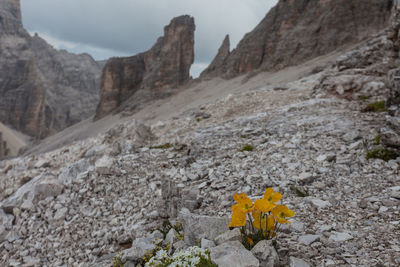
[
  {"x": 117, "y": 261},
  {"x": 164, "y": 146},
  {"x": 381, "y": 153},
  {"x": 364, "y": 97},
  {"x": 243, "y": 136},
  {"x": 246, "y": 147},
  {"x": 375, "y": 107},
  {"x": 206, "y": 263},
  {"x": 378, "y": 139},
  {"x": 198, "y": 119}
]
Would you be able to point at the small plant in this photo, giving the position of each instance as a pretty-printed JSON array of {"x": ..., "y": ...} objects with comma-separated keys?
[
  {"x": 166, "y": 226},
  {"x": 266, "y": 216},
  {"x": 381, "y": 153},
  {"x": 164, "y": 146},
  {"x": 378, "y": 139},
  {"x": 246, "y": 147},
  {"x": 193, "y": 256},
  {"x": 243, "y": 136},
  {"x": 180, "y": 236},
  {"x": 198, "y": 119},
  {"x": 364, "y": 97},
  {"x": 375, "y": 107},
  {"x": 117, "y": 261}
]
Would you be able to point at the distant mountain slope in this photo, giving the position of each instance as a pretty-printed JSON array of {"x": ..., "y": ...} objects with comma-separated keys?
[
  {"x": 166, "y": 65},
  {"x": 42, "y": 90},
  {"x": 297, "y": 30}
]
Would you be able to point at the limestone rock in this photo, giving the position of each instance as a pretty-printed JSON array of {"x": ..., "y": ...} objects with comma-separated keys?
[
  {"x": 230, "y": 235},
  {"x": 394, "y": 85},
  {"x": 308, "y": 239},
  {"x": 233, "y": 254},
  {"x": 4, "y": 151},
  {"x": 139, "y": 248},
  {"x": 215, "y": 67},
  {"x": 166, "y": 65},
  {"x": 42, "y": 90},
  {"x": 200, "y": 226},
  {"x": 266, "y": 253},
  {"x": 340, "y": 237},
  {"x": 39, "y": 188},
  {"x": 295, "y": 262},
  {"x": 295, "y": 31}
]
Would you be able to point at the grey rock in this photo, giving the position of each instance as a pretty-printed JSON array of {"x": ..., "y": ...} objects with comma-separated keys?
[
  {"x": 352, "y": 136},
  {"x": 265, "y": 252},
  {"x": 233, "y": 254},
  {"x": 104, "y": 164},
  {"x": 295, "y": 262},
  {"x": 340, "y": 237},
  {"x": 171, "y": 237},
  {"x": 231, "y": 235},
  {"x": 140, "y": 247},
  {"x": 305, "y": 178},
  {"x": 39, "y": 188},
  {"x": 156, "y": 237},
  {"x": 69, "y": 174},
  {"x": 200, "y": 226},
  {"x": 207, "y": 244},
  {"x": 60, "y": 214},
  {"x": 308, "y": 239},
  {"x": 43, "y": 90},
  {"x": 318, "y": 203}
]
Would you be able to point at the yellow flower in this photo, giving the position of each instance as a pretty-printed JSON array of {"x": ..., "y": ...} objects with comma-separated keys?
[
  {"x": 251, "y": 242},
  {"x": 272, "y": 196},
  {"x": 280, "y": 212},
  {"x": 263, "y": 222},
  {"x": 245, "y": 203},
  {"x": 267, "y": 203},
  {"x": 238, "y": 216},
  {"x": 264, "y": 205}
]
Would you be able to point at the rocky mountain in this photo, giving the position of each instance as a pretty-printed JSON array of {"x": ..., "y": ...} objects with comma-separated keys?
[
  {"x": 295, "y": 31},
  {"x": 165, "y": 65},
  {"x": 326, "y": 140},
  {"x": 4, "y": 151},
  {"x": 42, "y": 90},
  {"x": 216, "y": 66}
]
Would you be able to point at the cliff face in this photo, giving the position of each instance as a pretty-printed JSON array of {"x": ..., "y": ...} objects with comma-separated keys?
[
  {"x": 217, "y": 65},
  {"x": 42, "y": 90},
  {"x": 298, "y": 30},
  {"x": 165, "y": 65}
]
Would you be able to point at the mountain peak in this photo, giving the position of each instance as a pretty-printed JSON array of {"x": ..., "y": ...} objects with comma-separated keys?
[{"x": 10, "y": 17}]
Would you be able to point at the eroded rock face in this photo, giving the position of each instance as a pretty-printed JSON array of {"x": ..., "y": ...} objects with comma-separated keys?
[
  {"x": 165, "y": 65},
  {"x": 42, "y": 90},
  {"x": 218, "y": 62},
  {"x": 295, "y": 31},
  {"x": 3, "y": 147}
]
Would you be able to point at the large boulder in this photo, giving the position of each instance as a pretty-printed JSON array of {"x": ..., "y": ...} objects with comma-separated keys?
[
  {"x": 196, "y": 226},
  {"x": 233, "y": 254},
  {"x": 39, "y": 188}
]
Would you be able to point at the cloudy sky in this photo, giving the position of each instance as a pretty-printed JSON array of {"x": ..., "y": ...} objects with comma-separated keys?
[{"x": 106, "y": 28}]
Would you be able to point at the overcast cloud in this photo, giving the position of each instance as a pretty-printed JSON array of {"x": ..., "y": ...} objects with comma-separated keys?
[{"x": 106, "y": 28}]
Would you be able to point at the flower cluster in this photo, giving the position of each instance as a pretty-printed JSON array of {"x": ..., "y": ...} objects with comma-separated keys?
[
  {"x": 266, "y": 214},
  {"x": 191, "y": 257}
]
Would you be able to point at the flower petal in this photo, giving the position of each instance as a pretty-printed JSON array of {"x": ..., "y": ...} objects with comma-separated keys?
[
  {"x": 275, "y": 197},
  {"x": 264, "y": 205},
  {"x": 269, "y": 191}
]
